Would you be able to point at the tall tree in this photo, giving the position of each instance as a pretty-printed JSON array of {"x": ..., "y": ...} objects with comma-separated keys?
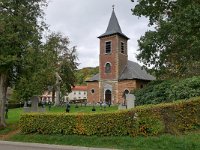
[
  {"x": 172, "y": 48},
  {"x": 62, "y": 62},
  {"x": 20, "y": 28}
]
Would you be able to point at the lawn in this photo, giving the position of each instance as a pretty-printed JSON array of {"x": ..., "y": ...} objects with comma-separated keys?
[{"x": 189, "y": 141}]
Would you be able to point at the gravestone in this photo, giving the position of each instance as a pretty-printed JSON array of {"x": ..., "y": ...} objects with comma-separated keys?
[
  {"x": 130, "y": 100},
  {"x": 26, "y": 108},
  {"x": 121, "y": 106},
  {"x": 34, "y": 103}
]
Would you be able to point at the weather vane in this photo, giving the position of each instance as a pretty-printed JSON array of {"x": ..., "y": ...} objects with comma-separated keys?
[{"x": 113, "y": 6}]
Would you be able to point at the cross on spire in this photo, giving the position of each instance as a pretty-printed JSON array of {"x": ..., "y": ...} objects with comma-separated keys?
[{"x": 113, "y": 6}]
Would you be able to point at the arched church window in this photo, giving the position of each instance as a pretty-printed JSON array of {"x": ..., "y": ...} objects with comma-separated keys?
[
  {"x": 125, "y": 92},
  {"x": 108, "y": 68},
  {"x": 92, "y": 91}
]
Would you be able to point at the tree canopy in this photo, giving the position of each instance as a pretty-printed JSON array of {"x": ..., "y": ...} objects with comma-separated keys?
[
  {"x": 26, "y": 62},
  {"x": 172, "y": 47},
  {"x": 20, "y": 30},
  {"x": 84, "y": 74}
]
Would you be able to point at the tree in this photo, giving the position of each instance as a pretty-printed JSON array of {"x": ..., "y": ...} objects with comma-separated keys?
[
  {"x": 21, "y": 26},
  {"x": 172, "y": 48},
  {"x": 62, "y": 63},
  {"x": 36, "y": 75},
  {"x": 52, "y": 65},
  {"x": 84, "y": 74}
]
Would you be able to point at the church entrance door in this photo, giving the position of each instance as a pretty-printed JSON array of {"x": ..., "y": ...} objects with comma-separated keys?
[{"x": 108, "y": 96}]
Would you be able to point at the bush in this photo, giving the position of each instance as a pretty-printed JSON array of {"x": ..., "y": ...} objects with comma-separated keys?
[
  {"x": 167, "y": 91},
  {"x": 15, "y": 105},
  {"x": 146, "y": 120}
]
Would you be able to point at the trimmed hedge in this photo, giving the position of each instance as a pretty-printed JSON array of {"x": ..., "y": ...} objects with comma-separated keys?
[{"x": 145, "y": 120}]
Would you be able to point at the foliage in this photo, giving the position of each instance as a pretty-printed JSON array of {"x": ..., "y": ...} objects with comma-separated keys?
[
  {"x": 34, "y": 78},
  {"x": 168, "y": 91},
  {"x": 61, "y": 59},
  {"x": 172, "y": 48},
  {"x": 85, "y": 73},
  {"x": 21, "y": 26},
  {"x": 150, "y": 120},
  {"x": 14, "y": 114},
  {"x": 41, "y": 65}
]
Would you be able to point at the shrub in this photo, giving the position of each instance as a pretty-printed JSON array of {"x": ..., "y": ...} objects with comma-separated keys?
[
  {"x": 167, "y": 91},
  {"x": 144, "y": 120},
  {"x": 14, "y": 105}
]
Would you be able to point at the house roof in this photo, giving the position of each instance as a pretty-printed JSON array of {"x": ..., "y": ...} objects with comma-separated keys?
[
  {"x": 79, "y": 88},
  {"x": 132, "y": 71},
  {"x": 113, "y": 27}
]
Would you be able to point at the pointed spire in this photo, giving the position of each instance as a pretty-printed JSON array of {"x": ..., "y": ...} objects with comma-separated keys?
[{"x": 113, "y": 26}]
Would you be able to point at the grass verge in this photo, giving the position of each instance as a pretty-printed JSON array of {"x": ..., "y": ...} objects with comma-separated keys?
[{"x": 189, "y": 141}]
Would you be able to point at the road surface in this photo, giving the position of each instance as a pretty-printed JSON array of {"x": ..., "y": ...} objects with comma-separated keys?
[{"x": 6, "y": 145}]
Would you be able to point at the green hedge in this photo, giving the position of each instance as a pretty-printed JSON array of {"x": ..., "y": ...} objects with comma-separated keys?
[{"x": 146, "y": 120}]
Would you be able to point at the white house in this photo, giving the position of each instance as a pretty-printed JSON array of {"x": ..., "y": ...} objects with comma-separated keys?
[{"x": 78, "y": 92}]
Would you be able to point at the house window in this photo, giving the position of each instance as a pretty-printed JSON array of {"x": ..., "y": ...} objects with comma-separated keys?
[
  {"x": 74, "y": 93},
  {"x": 108, "y": 47},
  {"x": 79, "y": 93},
  {"x": 108, "y": 68},
  {"x": 84, "y": 93},
  {"x": 122, "y": 47}
]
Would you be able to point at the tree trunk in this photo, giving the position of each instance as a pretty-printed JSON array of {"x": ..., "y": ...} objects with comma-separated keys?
[{"x": 3, "y": 89}]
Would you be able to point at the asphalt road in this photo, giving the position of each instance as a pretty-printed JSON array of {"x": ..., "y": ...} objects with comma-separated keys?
[{"x": 6, "y": 145}]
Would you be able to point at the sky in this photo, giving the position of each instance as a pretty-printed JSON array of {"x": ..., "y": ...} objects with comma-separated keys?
[{"x": 82, "y": 21}]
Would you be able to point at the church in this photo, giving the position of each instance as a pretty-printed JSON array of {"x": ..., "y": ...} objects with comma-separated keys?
[{"x": 117, "y": 75}]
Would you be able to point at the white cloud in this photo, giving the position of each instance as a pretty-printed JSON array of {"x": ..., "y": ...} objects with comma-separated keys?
[{"x": 83, "y": 21}]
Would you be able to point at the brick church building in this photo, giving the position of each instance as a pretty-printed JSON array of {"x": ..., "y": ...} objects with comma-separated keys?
[{"x": 117, "y": 75}]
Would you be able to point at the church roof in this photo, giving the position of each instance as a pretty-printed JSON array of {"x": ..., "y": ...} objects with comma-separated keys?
[
  {"x": 113, "y": 27},
  {"x": 132, "y": 71},
  {"x": 94, "y": 78}
]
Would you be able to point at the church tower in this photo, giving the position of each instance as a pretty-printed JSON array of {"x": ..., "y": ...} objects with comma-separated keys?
[
  {"x": 113, "y": 50},
  {"x": 117, "y": 75},
  {"x": 113, "y": 58}
]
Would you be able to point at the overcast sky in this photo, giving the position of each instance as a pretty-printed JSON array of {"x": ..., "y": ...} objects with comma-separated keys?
[{"x": 84, "y": 20}]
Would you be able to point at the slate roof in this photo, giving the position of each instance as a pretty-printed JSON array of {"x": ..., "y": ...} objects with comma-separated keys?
[
  {"x": 113, "y": 27},
  {"x": 94, "y": 78},
  {"x": 132, "y": 71}
]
